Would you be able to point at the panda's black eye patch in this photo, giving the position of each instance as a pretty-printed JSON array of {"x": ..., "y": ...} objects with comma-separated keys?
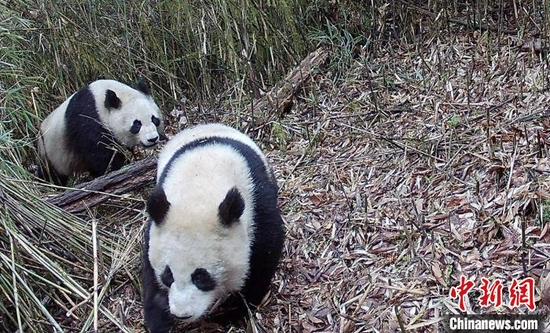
[
  {"x": 166, "y": 277},
  {"x": 155, "y": 120},
  {"x": 136, "y": 126},
  {"x": 203, "y": 280}
]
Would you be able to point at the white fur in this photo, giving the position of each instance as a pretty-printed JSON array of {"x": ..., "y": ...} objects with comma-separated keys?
[
  {"x": 191, "y": 235},
  {"x": 134, "y": 105},
  {"x": 52, "y": 144}
]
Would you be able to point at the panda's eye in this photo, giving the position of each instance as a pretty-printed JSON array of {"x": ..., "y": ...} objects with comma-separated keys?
[
  {"x": 166, "y": 277},
  {"x": 203, "y": 280},
  {"x": 155, "y": 120},
  {"x": 136, "y": 126}
]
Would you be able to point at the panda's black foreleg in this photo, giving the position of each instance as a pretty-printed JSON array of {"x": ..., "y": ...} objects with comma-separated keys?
[
  {"x": 103, "y": 160},
  {"x": 156, "y": 313},
  {"x": 264, "y": 260},
  {"x": 155, "y": 300}
]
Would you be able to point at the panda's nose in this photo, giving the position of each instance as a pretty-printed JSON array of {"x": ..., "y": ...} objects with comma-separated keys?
[{"x": 153, "y": 140}]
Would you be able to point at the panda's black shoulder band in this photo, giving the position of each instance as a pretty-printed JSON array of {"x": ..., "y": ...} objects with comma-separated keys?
[{"x": 252, "y": 158}]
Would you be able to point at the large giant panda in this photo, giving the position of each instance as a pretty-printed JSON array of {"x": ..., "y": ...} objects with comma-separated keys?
[
  {"x": 215, "y": 234},
  {"x": 85, "y": 132}
]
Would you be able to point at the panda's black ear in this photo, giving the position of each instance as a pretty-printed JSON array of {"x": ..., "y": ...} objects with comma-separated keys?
[
  {"x": 111, "y": 100},
  {"x": 231, "y": 208},
  {"x": 157, "y": 205},
  {"x": 144, "y": 87}
]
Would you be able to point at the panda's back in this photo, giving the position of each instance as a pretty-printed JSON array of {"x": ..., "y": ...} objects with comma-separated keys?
[
  {"x": 202, "y": 176},
  {"x": 202, "y": 163}
]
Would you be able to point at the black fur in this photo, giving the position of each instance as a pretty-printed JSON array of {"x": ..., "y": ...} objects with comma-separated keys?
[
  {"x": 88, "y": 138},
  {"x": 231, "y": 208},
  {"x": 155, "y": 121},
  {"x": 144, "y": 88},
  {"x": 268, "y": 236},
  {"x": 111, "y": 100},
  {"x": 203, "y": 280},
  {"x": 157, "y": 205},
  {"x": 166, "y": 277},
  {"x": 136, "y": 126},
  {"x": 155, "y": 299}
]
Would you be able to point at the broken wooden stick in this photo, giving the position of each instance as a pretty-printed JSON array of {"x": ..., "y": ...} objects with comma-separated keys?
[
  {"x": 280, "y": 98},
  {"x": 132, "y": 177}
]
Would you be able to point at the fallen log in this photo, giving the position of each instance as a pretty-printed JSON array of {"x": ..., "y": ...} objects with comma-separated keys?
[
  {"x": 132, "y": 177},
  {"x": 280, "y": 98}
]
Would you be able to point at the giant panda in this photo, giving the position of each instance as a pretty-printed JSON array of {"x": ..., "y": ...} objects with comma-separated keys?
[
  {"x": 214, "y": 234},
  {"x": 85, "y": 132}
]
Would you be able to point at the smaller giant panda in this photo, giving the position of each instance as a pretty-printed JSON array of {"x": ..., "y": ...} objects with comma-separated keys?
[
  {"x": 215, "y": 234},
  {"x": 83, "y": 134}
]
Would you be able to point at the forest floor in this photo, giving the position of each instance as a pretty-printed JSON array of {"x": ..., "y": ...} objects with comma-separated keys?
[
  {"x": 416, "y": 165},
  {"x": 402, "y": 167}
]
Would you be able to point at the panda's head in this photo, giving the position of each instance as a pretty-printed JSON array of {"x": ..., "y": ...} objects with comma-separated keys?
[
  {"x": 199, "y": 252},
  {"x": 131, "y": 115}
]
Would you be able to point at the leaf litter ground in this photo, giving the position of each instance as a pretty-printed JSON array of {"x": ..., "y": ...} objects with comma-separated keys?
[{"x": 413, "y": 166}]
